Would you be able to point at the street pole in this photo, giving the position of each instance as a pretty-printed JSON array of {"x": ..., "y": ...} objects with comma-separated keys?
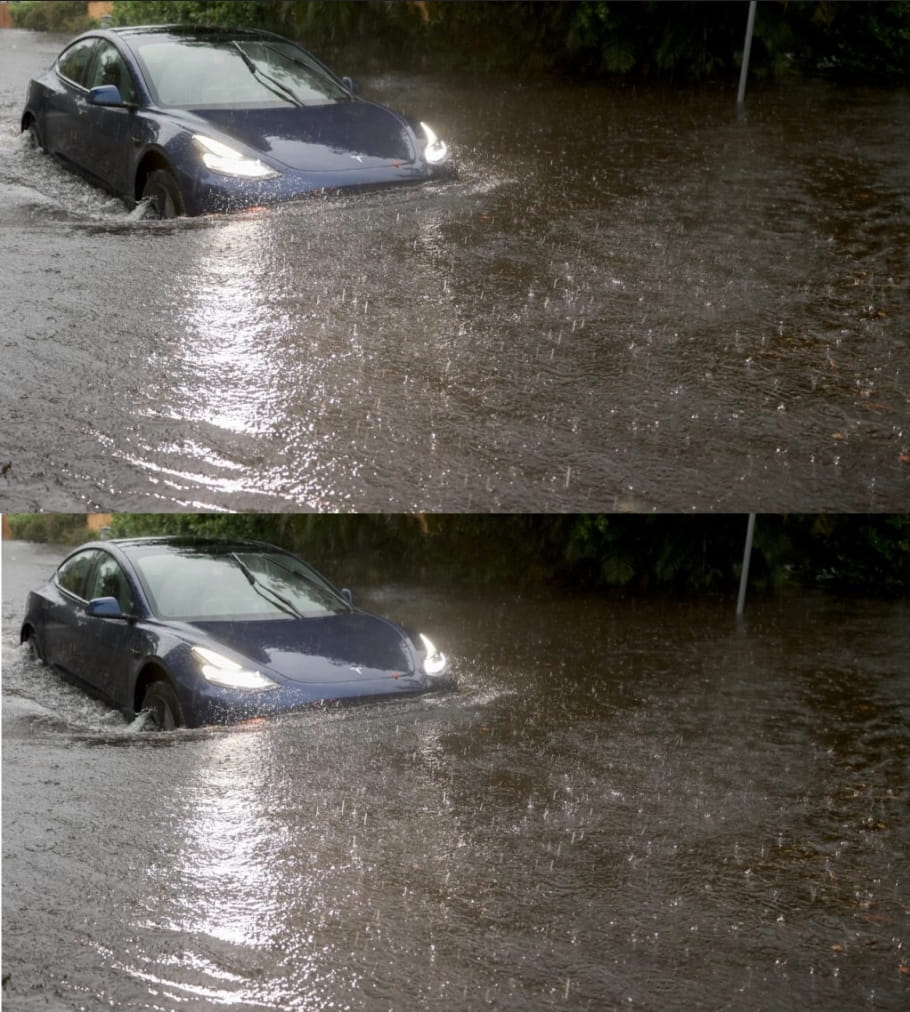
[
  {"x": 747, "y": 49},
  {"x": 747, "y": 555}
]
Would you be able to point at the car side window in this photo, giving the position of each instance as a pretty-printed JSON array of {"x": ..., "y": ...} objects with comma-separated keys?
[
  {"x": 109, "y": 67},
  {"x": 109, "y": 580},
  {"x": 74, "y": 62},
  {"x": 74, "y": 572}
]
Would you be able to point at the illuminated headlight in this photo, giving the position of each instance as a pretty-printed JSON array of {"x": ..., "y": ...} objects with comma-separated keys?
[
  {"x": 435, "y": 662},
  {"x": 228, "y": 674},
  {"x": 437, "y": 150},
  {"x": 220, "y": 158}
]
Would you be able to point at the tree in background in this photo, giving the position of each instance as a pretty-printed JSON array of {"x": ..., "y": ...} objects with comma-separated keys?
[
  {"x": 687, "y": 40},
  {"x": 316, "y": 23},
  {"x": 681, "y": 41},
  {"x": 866, "y": 554},
  {"x": 865, "y": 42},
  {"x": 51, "y": 16},
  {"x": 666, "y": 553},
  {"x": 50, "y": 528}
]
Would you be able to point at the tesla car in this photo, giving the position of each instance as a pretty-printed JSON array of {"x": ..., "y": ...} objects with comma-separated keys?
[
  {"x": 197, "y": 120},
  {"x": 198, "y": 631}
]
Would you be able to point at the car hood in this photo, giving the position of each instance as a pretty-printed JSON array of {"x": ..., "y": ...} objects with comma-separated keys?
[
  {"x": 325, "y": 650},
  {"x": 323, "y": 138}
]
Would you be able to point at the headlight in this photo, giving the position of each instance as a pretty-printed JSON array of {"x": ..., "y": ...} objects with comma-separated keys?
[
  {"x": 220, "y": 158},
  {"x": 435, "y": 662},
  {"x": 437, "y": 150},
  {"x": 230, "y": 675}
]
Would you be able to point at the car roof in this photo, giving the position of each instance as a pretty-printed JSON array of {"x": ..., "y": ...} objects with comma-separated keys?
[
  {"x": 198, "y": 32},
  {"x": 201, "y": 543}
]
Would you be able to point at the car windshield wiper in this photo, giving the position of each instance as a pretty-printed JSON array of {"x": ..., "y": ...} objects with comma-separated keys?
[
  {"x": 276, "y": 86},
  {"x": 271, "y": 595},
  {"x": 311, "y": 71},
  {"x": 324, "y": 590}
]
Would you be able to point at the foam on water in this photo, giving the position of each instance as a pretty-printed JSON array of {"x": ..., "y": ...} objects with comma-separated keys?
[{"x": 33, "y": 690}]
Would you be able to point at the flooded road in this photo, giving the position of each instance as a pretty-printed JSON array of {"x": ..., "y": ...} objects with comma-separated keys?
[
  {"x": 631, "y": 299},
  {"x": 626, "y": 804}
]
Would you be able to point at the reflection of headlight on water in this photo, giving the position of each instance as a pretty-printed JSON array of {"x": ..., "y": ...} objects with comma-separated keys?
[
  {"x": 435, "y": 662},
  {"x": 229, "y": 162},
  {"x": 228, "y": 674},
  {"x": 437, "y": 150}
]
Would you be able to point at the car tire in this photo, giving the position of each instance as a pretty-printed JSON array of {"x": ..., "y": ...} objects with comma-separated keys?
[
  {"x": 34, "y": 651},
  {"x": 163, "y": 196},
  {"x": 163, "y": 707},
  {"x": 34, "y": 136}
]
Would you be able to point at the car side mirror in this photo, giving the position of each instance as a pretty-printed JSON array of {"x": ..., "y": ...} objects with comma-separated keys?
[
  {"x": 351, "y": 85},
  {"x": 105, "y": 607},
  {"x": 348, "y": 595},
  {"x": 105, "y": 94}
]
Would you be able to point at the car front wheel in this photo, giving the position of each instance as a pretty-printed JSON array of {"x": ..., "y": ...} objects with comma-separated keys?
[
  {"x": 162, "y": 195},
  {"x": 34, "y": 136},
  {"x": 34, "y": 651},
  {"x": 163, "y": 707}
]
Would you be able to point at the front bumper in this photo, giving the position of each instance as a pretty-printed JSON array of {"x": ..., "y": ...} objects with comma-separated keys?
[
  {"x": 204, "y": 703},
  {"x": 210, "y": 193}
]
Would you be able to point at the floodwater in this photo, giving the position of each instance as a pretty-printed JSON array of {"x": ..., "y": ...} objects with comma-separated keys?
[
  {"x": 626, "y": 804},
  {"x": 631, "y": 299}
]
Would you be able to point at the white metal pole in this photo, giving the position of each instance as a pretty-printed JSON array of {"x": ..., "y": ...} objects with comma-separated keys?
[
  {"x": 747, "y": 555},
  {"x": 747, "y": 49}
]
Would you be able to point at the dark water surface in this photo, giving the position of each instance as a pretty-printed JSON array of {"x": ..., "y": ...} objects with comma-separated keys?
[
  {"x": 631, "y": 299},
  {"x": 626, "y": 805}
]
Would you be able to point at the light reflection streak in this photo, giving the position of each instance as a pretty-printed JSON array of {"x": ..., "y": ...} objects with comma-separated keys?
[
  {"x": 237, "y": 910},
  {"x": 229, "y": 845},
  {"x": 220, "y": 997},
  {"x": 231, "y": 327},
  {"x": 316, "y": 377}
]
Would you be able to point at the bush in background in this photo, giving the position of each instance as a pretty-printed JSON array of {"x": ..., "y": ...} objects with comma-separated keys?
[
  {"x": 49, "y": 528},
  {"x": 51, "y": 16},
  {"x": 665, "y": 553}
]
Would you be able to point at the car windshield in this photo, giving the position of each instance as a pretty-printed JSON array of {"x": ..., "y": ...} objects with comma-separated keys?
[
  {"x": 191, "y": 585},
  {"x": 241, "y": 73}
]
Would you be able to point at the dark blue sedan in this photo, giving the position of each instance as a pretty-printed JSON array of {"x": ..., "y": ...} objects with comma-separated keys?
[
  {"x": 196, "y": 631},
  {"x": 196, "y": 120}
]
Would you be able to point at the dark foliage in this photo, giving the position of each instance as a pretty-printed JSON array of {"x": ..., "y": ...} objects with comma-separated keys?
[
  {"x": 50, "y": 16},
  {"x": 857, "y": 554},
  {"x": 684, "y": 41},
  {"x": 678, "y": 554},
  {"x": 52, "y": 528}
]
